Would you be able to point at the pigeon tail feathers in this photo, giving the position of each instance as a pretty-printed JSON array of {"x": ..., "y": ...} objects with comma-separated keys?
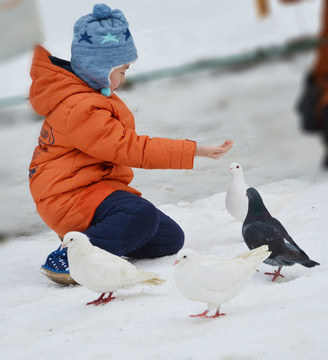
[
  {"x": 151, "y": 279},
  {"x": 258, "y": 254},
  {"x": 309, "y": 263}
]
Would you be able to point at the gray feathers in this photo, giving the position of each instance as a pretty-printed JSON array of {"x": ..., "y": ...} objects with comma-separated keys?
[{"x": 260, "y": 228}]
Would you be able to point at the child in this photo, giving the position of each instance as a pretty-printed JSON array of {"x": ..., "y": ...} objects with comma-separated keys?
[{"x": 81, "y": 169}]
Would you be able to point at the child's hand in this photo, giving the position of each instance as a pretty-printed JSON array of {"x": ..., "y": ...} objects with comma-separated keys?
[{"x": 214, "y": 152}]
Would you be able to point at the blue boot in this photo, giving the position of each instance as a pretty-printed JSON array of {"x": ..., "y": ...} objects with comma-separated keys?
[{"x": 56, "y": 268}]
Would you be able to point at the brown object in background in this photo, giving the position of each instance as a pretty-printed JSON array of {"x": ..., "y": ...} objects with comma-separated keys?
[
  {"x": 290, "y": 1},
  {"x": 320, "y": 68},
  {"x": 262, "y": 8}
]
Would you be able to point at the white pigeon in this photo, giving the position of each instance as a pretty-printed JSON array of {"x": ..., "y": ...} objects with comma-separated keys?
[
  {"x": 236, "y": 201},
  {"x": 101, "y": 271},
  {"x": 213, "y": 280}
]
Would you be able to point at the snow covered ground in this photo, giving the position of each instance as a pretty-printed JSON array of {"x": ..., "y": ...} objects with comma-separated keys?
[{"x": 255, "y": 108}]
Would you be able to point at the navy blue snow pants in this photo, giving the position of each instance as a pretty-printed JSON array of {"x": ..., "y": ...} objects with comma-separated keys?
[{"x": 128, "y": 225}]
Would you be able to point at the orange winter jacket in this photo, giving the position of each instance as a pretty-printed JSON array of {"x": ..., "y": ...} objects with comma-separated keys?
[{"x": 87, "y": 146}]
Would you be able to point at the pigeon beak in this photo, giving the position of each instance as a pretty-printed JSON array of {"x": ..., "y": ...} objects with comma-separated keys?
[
  {"x": 176, "y": 262},
  {"x": 62, "y": 246}
]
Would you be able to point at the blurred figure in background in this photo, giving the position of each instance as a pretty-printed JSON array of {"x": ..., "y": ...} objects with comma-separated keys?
[
  {"x": 313, "y": 103},
  {"x": 312, "y": 106}
]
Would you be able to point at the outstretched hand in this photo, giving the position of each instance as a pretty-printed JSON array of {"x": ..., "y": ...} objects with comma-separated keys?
[{"x": 214, "y": 152}]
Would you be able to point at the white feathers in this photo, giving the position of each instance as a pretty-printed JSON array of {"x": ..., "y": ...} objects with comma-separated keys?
[
  {"x": 236, "y": 201},
  {"x": 101, "y": 271},
  {"x": 213, "y": 280}
]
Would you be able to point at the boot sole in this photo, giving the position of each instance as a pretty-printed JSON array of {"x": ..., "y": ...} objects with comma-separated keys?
[{"x": 59, "y": 278}]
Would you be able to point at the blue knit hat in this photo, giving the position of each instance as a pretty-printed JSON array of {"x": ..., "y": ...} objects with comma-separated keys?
[{"x": 102, "y": 41}]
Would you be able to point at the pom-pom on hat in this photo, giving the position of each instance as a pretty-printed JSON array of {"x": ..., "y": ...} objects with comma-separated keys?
[{"x": 102, "y": 41}]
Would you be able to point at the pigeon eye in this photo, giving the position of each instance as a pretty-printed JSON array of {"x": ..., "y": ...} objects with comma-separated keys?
[
  {"x": 185, "y": 256},
  {"x": 71, "y": 239},
  {"x": 237, "y": 166}
]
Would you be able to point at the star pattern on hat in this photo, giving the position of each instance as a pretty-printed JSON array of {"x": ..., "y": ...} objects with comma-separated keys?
[
  {"x": 85, "y": 37},
  {"x": 127, "y": 34},
  {"x": 109, "y": 37}
]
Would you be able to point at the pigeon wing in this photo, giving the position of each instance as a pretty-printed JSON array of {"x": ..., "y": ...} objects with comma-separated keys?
[
  {"x": 218, "y": 274},
  {"x": 283, "y": 249},
  {"x": 258, "y": 233},
  {"x": 288, "y": 239},
  {"x": 108, "y": 272}
]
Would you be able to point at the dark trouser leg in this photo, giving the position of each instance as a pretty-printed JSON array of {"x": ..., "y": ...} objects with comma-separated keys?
[
  {"x": 168, "y": 240},
  {"x": 128, "y": 225}
]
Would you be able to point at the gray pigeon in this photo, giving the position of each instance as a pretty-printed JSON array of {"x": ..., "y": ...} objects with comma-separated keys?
[{"x": 260, "y": 228}]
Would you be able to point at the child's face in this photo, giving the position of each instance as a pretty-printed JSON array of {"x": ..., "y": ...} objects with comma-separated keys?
[{"x": 117, "y": 77}]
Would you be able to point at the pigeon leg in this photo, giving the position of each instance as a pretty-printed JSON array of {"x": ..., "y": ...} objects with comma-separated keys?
[
  {"x": 202, "y": 315},
  {"x": 108, "y": 298},
  {"x": 97, "y": 301},
  {"x": 102, "y": 300},
  {"x": 275, "y": 274},
  {"x": 217, "y": 314}
]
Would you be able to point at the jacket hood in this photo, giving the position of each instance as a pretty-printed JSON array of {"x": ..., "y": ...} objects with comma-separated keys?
[{"x": 51, "y": 83}]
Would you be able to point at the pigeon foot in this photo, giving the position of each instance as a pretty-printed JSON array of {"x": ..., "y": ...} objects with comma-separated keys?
[
  {"x": 275, "y": 274},
  {"x": 102, "y": 300},
  {"x": 216, "y": 315},
  {"x": 202, "y": 315}
]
